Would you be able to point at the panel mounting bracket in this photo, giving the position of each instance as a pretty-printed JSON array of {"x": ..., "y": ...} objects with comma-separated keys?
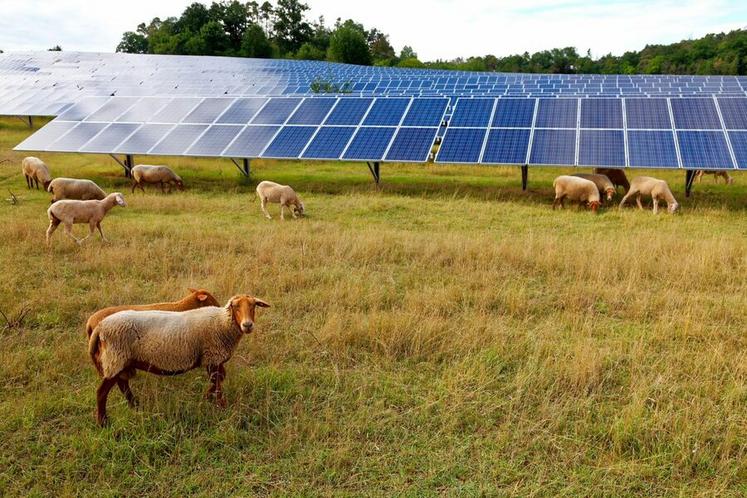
[
  {"x": 373, "y": 167},
  {"x": 689, "y": 177},
  {"x": 524, "y": 176},
  {"x": 245, "y": 168},
  {"x": 127, "y": 164}
]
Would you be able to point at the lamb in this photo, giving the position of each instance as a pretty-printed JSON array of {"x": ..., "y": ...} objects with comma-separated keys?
[
  {"x": 283, "y": 194},
  {"x": 153, "y": 175},
  {"x": 35, "y": 171},
  {"x": 197, "y": 298},
  {"x": 169, "y": 343},
  {"x": 603, "y": 183},
  {"x": 73, "y": 188},
  {"x": 73, "y": 211},
  {"x": 657, "y": 189},
  {"x": 575, "y": 189},
  {"x": 616, "y": 176},
  {"x": 716, "y": 175}
]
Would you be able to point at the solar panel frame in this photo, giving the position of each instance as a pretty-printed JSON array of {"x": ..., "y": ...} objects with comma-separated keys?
[{"x": 738, "y": 140}]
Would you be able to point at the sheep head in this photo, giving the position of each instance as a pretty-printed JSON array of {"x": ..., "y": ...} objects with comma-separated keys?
[
  {"x": 180, "y": 184},
  {"x": 242, "y": 309},
  {"x": 299, "y": 208},
  {"x": 119, "y": 199},
  {"x": 673, "y": 207},
  {"x": 610, "y": 193},
  {"x": 594, "y": 205},
  {"x": 202, "y": 297}
]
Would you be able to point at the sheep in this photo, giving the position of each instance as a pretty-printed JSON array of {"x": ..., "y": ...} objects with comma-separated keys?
[
  {"x": 35, "y": 171},
  {"x": 716, "y": 175},
  {"x": 73, "y": 211},
  {"x": 169, "y": 343},
  {"x": 603, "y": 183},
  {"x": 657, "y": 189},
  {"x": 616, "y": 176},
  {"x": 143, "y": 173},
  {"x": 575, "y": 189},
  {"x": 283, "y": 194},
  {"x": 197, "y": 298},
  {"x": 76, "y": 189}
]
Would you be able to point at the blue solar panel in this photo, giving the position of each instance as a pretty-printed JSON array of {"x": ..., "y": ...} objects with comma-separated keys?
[
  {"x": 461, "y": 145},
  {"x": 652, "y": 149},
  {"x": 426, "y": 112},
  {"x": 175, "y": 110},
  {"x": 329, "y": 143},
  {"x": 208, "y": 111},
  {"x": 704, "y": 150},
  {"x": 312, "y": 111},
  {"x": 734, "y": 112},
  {"x": 276, "y": 111},
  {"x": 647, "y": 114},
  {"x": 473, "y": 113},
  {"x": 143, "y": 139},
  {"x": 251, "y": 142},
  {"x": 369, "y": 144},
  {"x": 557, "y": 113},
  {"x": 113, "y": 135},
  {"x": 290, "y": 142},
  {"x": 506, "y": 147},
  {"x": 412, "y": 144},
  {"x": 601, "y": 113},
  {"x": 554, "y": 147},
  {"x": 514, "y": 113},
  {"x": 75, "y": 138},
  {"x": 602, "y": 148},
  {"x": 695, "y": 114},
  {"x": 739, "y": 145},
  {"x": 214, "y": 140},
  {"x": 178, "y": 140},
  {"x": 241, "y": 111},
  {"x": 386, "y": 112},
  {"x": 348, "y": 111}
]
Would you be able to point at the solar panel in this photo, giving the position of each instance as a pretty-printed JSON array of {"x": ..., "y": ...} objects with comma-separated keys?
[
  {"x": 143, "y": 139},
  {"x": 704, "y": 150},
  {"x": 506, "y": 146},
  {"x": 207, "y": 111},
  {"x": 601, "y": 113},
  {"x": 75, "y": 138},
  {"x": 251, "y": 142},
  {"x": 412, "y": 145},
  {"x": 647, "y": 114},
  {"x": 557, "y": 113},
  {"x": 144, "y": 110},
  {"x": 276, "y": 111},
  {"x": 178, "y": 140},
  {"x": 329, "y": 142},
  {"x": 349, "y": 111},
  {"x": 554, "y": 147},
  {"x": 369, "y": 143},
  {"x": 83, "y": 108},
  {"x": 514, "y": 113},
  {"x": 474, "y": 113},
  {"x": 312, "y": 111},
  {"x": 112, "y": 109},
  {"x": 426, "y": 112},
  {"x": 734, "y": 112},
  {"x": 214, "y": 140},
  {"x": 602, "y": 147},
  {"x": 461, "y": 145},
  {"x": 386, "y": 112},
  {"x": 290, "y": 142},
  {"x": 241, "y": 111},
  {"x": 110, "y": 137},
  {"x": 648, "y": 149},
  {"x": 695, "y": 114},
  {"x": 46, "y": 136},
  {"x": 175, "y": 111},
  {"x": 739, "y": 145}
]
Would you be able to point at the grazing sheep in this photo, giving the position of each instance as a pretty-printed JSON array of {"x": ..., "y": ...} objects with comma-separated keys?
[
  {"x": 197, "y": 298},
  {"x": 155, "y": 175},
  {"x": 35, "y": 171},
  {"x": 716, "y": 175},
  {"x": 91, "y": 212},
  {"x": 616, "y": 176},
  {"x": 168, "y": 343},
  {"x": 603, "y": 183},
  {"x": 575, "y": 189},
  {"x": 657, "y": 189},
  {"x": 73, "y": 188},
  {"x": 282, "y": 194}
]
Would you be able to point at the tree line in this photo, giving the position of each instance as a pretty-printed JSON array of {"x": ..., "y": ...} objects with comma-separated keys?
[{"x": 282, "y": 30}]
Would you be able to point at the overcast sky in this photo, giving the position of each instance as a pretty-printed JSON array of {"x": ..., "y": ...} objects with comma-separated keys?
[{"x": 435, "y": 29}]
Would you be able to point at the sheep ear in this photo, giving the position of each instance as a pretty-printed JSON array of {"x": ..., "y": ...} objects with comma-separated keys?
[
  {"x": 260, "y": 303},
  {"x": 201, "y": 296}
]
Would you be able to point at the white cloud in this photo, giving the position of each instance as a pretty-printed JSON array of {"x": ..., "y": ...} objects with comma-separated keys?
[{"x": 436, "y": 29}]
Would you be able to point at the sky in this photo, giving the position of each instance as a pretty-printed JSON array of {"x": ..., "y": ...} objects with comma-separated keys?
[{"x": 436, "y": 29}]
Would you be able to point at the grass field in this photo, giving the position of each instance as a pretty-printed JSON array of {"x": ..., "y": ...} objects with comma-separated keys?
[{"x": 448, "y": 334}]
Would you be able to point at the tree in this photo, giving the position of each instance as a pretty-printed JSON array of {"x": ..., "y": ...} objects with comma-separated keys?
[
  {"x": 407, "y": 53},
  {"x": 255, "y": 44},
  {"x": 381, "y": 49},
  {"x": 291, "y": 29},
  {"x": 192, "y": 19},
  {"x": 133, "y": 43},
  {"x": 310, "y": 52},
  {"x": 214, "y": 39},
  {"x": 56, "y": 48},
  {"x": 348, "y": 44},
  {"x": 233, "y": 16}
]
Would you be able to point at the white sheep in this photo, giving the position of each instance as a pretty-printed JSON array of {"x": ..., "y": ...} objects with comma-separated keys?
[
  {"x": 603, "y": 183},
  {"x": 283, "y": 194},
  {"x": 577, "y": 189},
  {"x": 35, "y": 171},
  {"x": 92, "y": 212},
  {"x": 168, "y": 343},
  {"x": 155, "y": 175},
  {"x": 716, "y": 175},
  {"x": 657, "y": 189},
  {"x": 76, "y": 189}
]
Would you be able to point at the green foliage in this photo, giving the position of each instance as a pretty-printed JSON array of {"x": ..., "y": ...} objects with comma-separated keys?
[
  {"x": 310, "y": 52},
  {"x": 290, "y": 26},
  {"x": 348, "y": 44},
  {"x": 133, "y": 43},
  {"x": 255, "y": 44},
  {"x": 327, "y": 85}
]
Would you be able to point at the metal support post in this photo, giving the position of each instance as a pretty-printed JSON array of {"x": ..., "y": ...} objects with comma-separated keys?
[
  {"x": 375, "y": 172},
  {"x": 524, "y": 176}
]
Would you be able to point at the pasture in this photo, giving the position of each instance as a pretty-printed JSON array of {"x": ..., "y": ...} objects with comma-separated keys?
[{"x": 447, "y": 334}]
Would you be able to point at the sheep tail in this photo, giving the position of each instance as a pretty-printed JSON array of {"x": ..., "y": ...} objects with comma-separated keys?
[
  {"x": 50, "y": 188},
  {"x": 93, "y": 349}
]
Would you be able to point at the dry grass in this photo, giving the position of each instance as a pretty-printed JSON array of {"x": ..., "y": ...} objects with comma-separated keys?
[{"x": 447, "y": 335}]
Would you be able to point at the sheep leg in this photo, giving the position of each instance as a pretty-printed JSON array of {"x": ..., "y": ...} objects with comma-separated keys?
[
  {"x": 134, "y": 184},
  {"x": 656, "y": 205},
  {"x": 163, "y": 188},
  {"x": 216, "y": 375},
  {"x": 624, "y": 200},
  {"x": 101, "y": 395},
  {"x": 264, "y": 208},
  {"x": 28, "y": 181},
  {"x": 282, "y": 212},
  {"x": 69, "y": 233},
  {"x": 124, "y": 386},
  {"x": 91, "y": 228},
  {"x": 638, "y": 201},
  {"x": 53, "y": 224},
  {"x": 98, "y": 225}
]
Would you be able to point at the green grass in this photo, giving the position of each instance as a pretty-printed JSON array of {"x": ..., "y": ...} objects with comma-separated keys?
[{"x": 447, "y": 334}]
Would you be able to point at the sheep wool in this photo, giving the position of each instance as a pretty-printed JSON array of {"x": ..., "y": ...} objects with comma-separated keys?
[
  {"x": 35, "y": 171},
  {"x": 73, "y": 188}
]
